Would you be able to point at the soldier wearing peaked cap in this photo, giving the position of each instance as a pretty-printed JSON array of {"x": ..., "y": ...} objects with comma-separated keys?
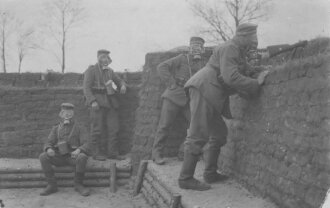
[
  {"x": 65, "y": 146},
  {"x": 174, "y": 73},
  {"x": 101, "y": 85},
  {"x": 209, "y": 90}
]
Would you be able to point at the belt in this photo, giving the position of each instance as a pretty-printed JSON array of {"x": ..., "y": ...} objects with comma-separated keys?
[{"x": 222, "y": 82}]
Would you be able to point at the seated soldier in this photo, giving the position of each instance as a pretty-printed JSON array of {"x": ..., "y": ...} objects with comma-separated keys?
[{"x": 64, "y": 147}]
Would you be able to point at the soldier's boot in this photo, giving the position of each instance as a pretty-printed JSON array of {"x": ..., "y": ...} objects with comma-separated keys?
[
  {"x": 211, "y": 165},
  {"x": 186, "y": 179},
  {"x": 51, "y": 186},
  {"x": 157, "y": 158},
  {"x": 78, "y": 185},
  {"x": 98, "y": 154}
]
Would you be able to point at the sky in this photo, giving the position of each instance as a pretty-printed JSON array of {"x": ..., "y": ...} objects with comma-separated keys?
[{"x": 132, "y": 28}]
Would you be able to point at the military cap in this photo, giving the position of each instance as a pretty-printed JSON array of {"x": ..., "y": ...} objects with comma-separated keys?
[
  {"x": 246, "y": 29},
  {"x": 197, "y": 40},
  {"x": 102, "y": 51},
  {"x": 67, "y": 106}
]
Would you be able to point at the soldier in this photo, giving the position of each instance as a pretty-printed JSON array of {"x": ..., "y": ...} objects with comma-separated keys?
[
  {"x": 65, "y": 147},
  {"x": 209, "y": 91},
  {"x": 100, "y": 82},
  {"x": 175, "y": 72}
]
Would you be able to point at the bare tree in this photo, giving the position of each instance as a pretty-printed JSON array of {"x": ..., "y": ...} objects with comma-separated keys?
[
  {"x": 26, "y": 42},
  {"x": 6, "y": 30},
  {"x": 223, "y": 16},
  {"x": 63, "y": 16}
]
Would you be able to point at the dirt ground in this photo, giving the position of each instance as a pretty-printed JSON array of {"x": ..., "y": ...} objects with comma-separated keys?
[
  {"x": 68, "y": 198},
  {"x": 229, "y": 194}
]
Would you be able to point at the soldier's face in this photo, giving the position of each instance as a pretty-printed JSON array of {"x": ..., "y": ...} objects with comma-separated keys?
[
  {"x": 104, "y": 60},
  {"x": 196, "y": 50},
  {"x": 253, "y": 41},
  {"x": 66, "y": 115}
]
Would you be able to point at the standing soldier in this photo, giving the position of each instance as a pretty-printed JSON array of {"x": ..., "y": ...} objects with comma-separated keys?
[
  {"x": 65, "y": 147},
  {"x": 209, "y": 91},
  {"x": 175, "y": 72},
  {"x": 100, "y": 82}
]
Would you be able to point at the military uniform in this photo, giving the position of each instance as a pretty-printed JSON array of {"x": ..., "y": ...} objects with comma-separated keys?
[
  {"x": 174, "y": 72},
  {"x": 73, "y": 135},
  {"x": 64, "y": 139},
  {"x": 209, "y": 91},
  {"x": 104, "y": 120}
]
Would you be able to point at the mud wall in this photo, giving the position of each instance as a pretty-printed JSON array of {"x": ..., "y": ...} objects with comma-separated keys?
[
  {"x": 279, "y": 143},
  {"x": 29, "y": 107}
]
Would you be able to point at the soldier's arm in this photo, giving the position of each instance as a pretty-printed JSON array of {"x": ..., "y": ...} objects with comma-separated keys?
[
  {"x": 166, "y": 69},
  {"x": 51, "y": 140},
  {"x": 117, "y": 80},
  {"x": 230, "y": 73},
  {"x": 253, "y": 71},
  {"x": 88, "y": 82}
]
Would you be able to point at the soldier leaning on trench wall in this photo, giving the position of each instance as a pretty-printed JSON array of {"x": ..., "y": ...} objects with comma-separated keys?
[
  {"x": 100, "y": 93},
  {"x": 174, "y": 73},
  {"x": 209, "y": 91}
]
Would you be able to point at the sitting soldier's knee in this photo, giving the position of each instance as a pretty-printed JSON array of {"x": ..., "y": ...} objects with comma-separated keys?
[
  {"x": 82, "y": 157},
  {"x": 43, "y": 156}
]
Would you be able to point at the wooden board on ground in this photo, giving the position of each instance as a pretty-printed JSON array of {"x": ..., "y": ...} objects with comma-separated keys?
[{"x": 227, "y": 194}]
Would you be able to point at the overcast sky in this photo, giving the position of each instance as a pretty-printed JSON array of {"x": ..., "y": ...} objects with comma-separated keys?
[{"x": 131, "y": 28}]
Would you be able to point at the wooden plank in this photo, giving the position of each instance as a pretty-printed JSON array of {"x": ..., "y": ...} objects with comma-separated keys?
[
  {"x": 148, "y": 197},
  {"x": 176, "y": 201},
  {"x": 167, "y": 197},
  {"x": 155, "y": 195},
  {"x": 59, "y": 176},
  {"x": 62, "y": 183},
  {"x": 113, "y": 177},
  {"x": 65, "y": 169},
  {"x": 139, "y": 178}
]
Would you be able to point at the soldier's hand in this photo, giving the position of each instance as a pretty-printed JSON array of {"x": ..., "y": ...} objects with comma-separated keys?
[
  {"x": 123, "y": 89},
  {"x": 95, "y": 106},
  {"x": 262, "y": 76},
  {"x": 75, "y": 153},
  {"x": 50, "y": 152}
]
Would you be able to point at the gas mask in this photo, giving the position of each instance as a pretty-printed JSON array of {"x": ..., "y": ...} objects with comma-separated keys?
[
  {"x": 196, "y": 50},
  {"x": 66, "y": 115},
  {"x": 104, "y": 61}
]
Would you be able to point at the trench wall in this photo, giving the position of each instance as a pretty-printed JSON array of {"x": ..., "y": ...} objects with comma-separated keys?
[
  {"x": 30, "y": 103},
  {"x": 279, "y": 143}
]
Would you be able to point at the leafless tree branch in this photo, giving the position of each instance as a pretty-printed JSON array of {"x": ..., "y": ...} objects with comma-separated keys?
[
  {"x": 63, "y": 17},
  {"x": 223, "y": 16}
]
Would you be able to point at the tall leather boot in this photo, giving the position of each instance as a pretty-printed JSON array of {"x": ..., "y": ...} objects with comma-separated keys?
[
  {"x": 51, "y": 186},
  {"x": 98, "y": 154},
  {"x": 211, "y": 165},
  {"x": 186, "y": 179},
  {"x": 78, "y": 184}
]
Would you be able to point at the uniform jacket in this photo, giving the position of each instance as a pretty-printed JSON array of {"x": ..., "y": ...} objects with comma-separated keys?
[
  {"x": 72, "y": 134},
  {"x": 227, "y": 63},
  {"x": 178, "y": 68},
  {"x": 94, "y": 86}
]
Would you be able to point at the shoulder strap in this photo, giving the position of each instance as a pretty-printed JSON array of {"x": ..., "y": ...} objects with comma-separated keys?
[
  {"x": 71, "y": 132},
  {"x": 190, "y": 71}
]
